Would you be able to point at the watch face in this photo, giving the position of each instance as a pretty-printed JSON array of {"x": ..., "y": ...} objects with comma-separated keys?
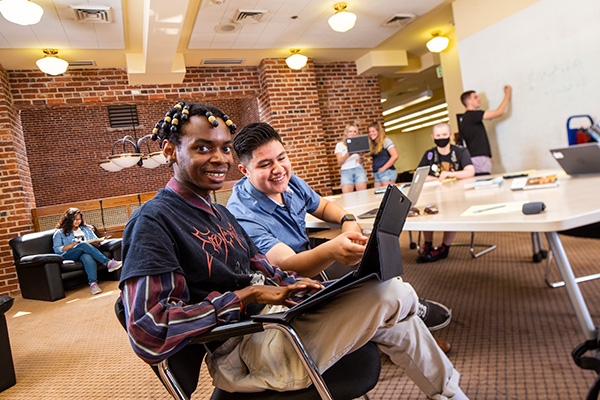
[{"x": 348, "y": 217}]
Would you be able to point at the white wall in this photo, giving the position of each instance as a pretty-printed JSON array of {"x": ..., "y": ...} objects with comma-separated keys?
[{"x": 549, "y": 52}]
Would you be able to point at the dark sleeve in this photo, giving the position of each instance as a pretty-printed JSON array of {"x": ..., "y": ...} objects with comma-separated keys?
[
  {"x": 159, "y": 319},
  {"x": 426, "y": 160},
  {"x": 464, "y": 157}
]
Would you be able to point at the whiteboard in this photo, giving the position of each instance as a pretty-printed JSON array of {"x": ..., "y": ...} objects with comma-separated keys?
[{"x": 549, "y": 53}]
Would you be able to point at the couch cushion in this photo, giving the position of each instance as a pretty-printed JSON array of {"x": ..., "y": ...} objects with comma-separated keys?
[{"x": 70, "y": 265}]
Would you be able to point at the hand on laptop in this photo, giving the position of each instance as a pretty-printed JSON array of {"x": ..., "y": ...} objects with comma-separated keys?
[
  {"x": 278, "y": 295},
  {"x": 347, "y": 248}
]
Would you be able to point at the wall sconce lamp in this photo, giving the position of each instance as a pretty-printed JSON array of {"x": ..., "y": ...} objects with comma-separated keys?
[
  {"x": 51, "y": 64},
  {"x": 296, "y": 60},
  {"x": 437, "y": 43},
  {"x": 342, "y": 20},
  {"x": 22, "y": 12},
  {"x": 116, "y": 162}
]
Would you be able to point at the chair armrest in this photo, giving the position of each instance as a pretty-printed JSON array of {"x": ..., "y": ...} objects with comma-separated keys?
[
  {"x": 228, "y": 331},
  {"x": 6, "y": 303},
  {"x": 110, "y": 245},
  {"x": 40, "y": 259}
]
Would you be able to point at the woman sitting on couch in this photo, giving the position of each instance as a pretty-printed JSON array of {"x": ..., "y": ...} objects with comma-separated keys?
[{"x": 70, "y": 242}]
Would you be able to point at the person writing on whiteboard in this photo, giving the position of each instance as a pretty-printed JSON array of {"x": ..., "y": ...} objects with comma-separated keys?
[
  {"x": 445, "y": 161},
  {"x": 353, "y": 175},
  {"x": 473, "y": 131}
]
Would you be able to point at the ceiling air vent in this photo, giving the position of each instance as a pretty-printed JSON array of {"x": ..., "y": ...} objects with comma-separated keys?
[
  {"x": 399, "y": 20},
  {"x": 223, "y": 61},
  {"x": 249, "y": 16},
  {"x": 82, "y": 63},
  {"x": 92, "y": 14}
]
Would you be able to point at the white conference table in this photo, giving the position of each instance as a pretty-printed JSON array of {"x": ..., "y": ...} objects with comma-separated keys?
[{"x": 574, "y": 203}]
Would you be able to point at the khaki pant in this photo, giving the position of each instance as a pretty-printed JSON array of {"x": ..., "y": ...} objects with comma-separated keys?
[{"x": 382, "y": 312}]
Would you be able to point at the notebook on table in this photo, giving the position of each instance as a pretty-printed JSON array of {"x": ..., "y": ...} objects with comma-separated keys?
[
  {"x": 414, "y": 190},
  {"x": 358, "y": 144},
  {"x": 579, "y": 159},
  {"x": 381, "y": 260}
]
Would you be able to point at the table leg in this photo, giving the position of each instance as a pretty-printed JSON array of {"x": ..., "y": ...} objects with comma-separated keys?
[{"x": 581, "y": 310}]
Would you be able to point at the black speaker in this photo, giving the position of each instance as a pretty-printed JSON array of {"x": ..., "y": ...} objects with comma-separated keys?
[{"x": 535, "y": 207}]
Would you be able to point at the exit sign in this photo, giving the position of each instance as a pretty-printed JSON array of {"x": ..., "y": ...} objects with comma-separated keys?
[{"x": 438, "y": 71}]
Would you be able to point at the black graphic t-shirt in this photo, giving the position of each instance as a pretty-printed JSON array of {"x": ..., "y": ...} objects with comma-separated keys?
[{"x": 207, "y": 246}]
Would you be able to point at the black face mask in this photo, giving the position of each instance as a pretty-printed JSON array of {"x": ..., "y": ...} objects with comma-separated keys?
[{"x": 441, "y": 142}]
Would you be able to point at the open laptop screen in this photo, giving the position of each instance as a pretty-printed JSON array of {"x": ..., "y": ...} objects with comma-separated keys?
[{"x": 358, "y": 144}]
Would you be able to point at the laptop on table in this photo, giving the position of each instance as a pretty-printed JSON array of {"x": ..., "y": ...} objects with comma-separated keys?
[
  {"x": 381, "y": 260},
  {"x": 579, "y": 159},
  {"x": 414, "y": 190}
]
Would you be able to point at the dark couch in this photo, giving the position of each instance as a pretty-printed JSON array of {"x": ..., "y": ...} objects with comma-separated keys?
[
  {"x": 44, "y": 275},
  {"x": 7, "y": 374}
]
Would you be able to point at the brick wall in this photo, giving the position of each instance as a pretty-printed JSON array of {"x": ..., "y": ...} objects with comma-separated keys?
[
  {"x": 65, "y": 144},
  {"x": 345, "y": 97},
  {"x": 66, "y": 129},
  {"x": 16, "y": 191},
  {"x": 295, "y": 114}
]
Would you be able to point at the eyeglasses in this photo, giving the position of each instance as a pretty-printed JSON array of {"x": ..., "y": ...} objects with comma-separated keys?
[{"x": 429, "y": 209}]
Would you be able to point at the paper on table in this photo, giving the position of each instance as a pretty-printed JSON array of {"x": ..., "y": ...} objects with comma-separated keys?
[{"x": 496, "y": 208}]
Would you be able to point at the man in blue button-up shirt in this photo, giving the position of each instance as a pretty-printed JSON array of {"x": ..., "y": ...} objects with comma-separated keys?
[{"x": 271, "y": 204}]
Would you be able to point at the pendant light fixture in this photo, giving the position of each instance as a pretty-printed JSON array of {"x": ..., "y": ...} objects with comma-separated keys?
[
  {"x": 296, "y": 60},
  {"x": 342, "y": 20},
  {"x": 22, "y": 12},
  {"x": 438, "y": 43},
  {"x": 51, "y": 64}
]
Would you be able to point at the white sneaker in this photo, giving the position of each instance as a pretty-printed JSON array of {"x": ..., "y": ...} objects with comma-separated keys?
[
  {"x": 114, "y": 265},
  {"x": 95, "y": 289}
]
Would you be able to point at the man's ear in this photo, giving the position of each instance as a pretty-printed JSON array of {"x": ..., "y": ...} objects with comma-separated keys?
[
  {"x": 170, "y": 151},
  {"x": 243, "y": 169}
]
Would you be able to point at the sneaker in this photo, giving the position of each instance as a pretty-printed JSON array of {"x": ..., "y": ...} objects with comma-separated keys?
[
  {"x": 113, "y": 265},
  {"x": 426, "y": 248},
  {"x": 424, "y": 251},
  {"x": 437, "y": 254},
  {"x": 435, "y": 315},
  {"x": 95, "y": 289}
]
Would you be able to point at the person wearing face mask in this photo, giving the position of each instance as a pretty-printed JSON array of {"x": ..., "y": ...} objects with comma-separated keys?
[{"x": 445, "y": 161}]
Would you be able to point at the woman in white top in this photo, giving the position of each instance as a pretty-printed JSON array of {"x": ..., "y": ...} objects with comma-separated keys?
[{"x": 353, "y": 175}]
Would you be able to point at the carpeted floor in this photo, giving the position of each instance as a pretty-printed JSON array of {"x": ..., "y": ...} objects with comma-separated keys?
[{"x": 511, "y": 335}]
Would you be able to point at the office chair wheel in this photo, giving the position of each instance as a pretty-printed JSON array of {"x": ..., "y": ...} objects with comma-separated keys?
[
  {"x": 537, "y": 257},
  {"x": 413, "y": 245},
  {"x": 544, "y": 254}
]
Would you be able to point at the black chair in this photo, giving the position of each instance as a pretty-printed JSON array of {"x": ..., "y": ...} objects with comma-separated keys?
[
  {"x": 351, "y": 377},
  {"x": 7, "y": 376}
]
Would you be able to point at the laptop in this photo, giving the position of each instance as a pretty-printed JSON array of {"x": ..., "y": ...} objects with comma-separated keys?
[
  {"x": 381, "y": 260},
  {"x": 358, "y": 144},
  {"x": 414, "y": 190},
  {"x": 579, "y": 159}
]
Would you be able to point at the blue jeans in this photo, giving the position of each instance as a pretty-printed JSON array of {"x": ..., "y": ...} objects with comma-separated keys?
[
  {"x": 88, "y": 255},
  {"x": 352, "y": 176},
  {"x": 389, "y": 175}
]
